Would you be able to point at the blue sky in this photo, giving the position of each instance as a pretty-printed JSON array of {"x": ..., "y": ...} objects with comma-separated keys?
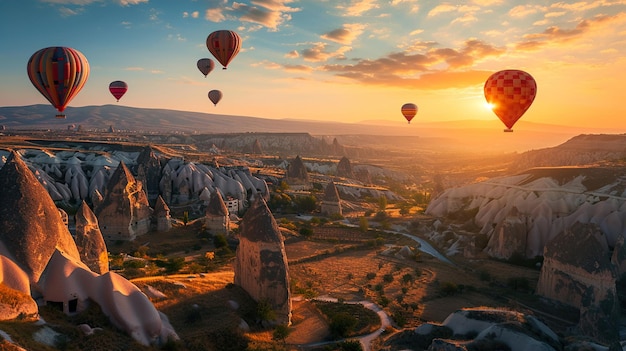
[{"x": 347, "y": 60}]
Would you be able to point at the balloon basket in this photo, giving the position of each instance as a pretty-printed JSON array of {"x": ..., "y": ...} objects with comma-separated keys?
[
  {"x": 508, "y": 130},
  {"x": 60, "y": 116}
]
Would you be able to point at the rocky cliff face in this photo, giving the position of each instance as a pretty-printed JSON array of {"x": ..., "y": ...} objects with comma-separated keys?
[
  {"x": 91, "y": 246},
  {"x": 32, "y": 228},
  {"x": 547, "y": 200},
  {"x": 124, "y": 212},
  {"x": 577, "y": 270},
  {"x": 579, "y": 150},
  {"x": 261, "y": 262}
]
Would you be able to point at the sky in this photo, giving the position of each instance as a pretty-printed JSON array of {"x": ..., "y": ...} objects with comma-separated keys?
[{"x": 339, "y": 60}]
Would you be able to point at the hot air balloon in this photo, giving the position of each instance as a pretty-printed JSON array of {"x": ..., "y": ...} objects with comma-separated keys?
[
  {"x": 59, "y": 73},
  {"x": 118, "y": 89},
  {"x": 510, "y": 93},
  {"x": 215, "y": 96},
  {"x": 205, "y": 65},
  {"x": 224, "y": 45},
  {"x": 409, "y": 111}
]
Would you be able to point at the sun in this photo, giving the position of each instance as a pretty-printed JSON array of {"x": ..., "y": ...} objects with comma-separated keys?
[{"x": 489, "y": 106}]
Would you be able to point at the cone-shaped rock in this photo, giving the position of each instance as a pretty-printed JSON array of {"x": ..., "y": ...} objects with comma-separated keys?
[
  {"x": 32, "y": 228},
  {"x": 93, "y": 250},
  {"x": 297, "y": 170},
  {"x": 124, "y": 212},
  {"x": 149, "y": 166},
  {"x": 162, "y": 215},
  {"x": 217, "y": 218},
  {"x": 344, "y": 168},
  {"x": 261, "y": 262},
  {"x": 256, "y": 147},
  {"x": 331, "y": 203}
]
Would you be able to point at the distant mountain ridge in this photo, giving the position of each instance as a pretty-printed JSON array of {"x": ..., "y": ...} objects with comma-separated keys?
[{"x": 461, "y": 135}]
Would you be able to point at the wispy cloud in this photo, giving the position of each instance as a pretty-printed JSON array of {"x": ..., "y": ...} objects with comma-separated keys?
[
  {"x": 401, "y": 67},
  {"x": 318, "y": 53},
  {"x": 215, "y": 15},
  {"x": 555, "y": 34},
  {"x": 194, "y": 14},
  {"x": 358, "y": 7},
  {"x": 345, "y": 35},
  {"x": 268, "y": 13}
]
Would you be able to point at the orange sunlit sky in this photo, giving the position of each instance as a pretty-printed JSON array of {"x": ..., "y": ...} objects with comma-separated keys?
[{"x": 346, "y": 60}]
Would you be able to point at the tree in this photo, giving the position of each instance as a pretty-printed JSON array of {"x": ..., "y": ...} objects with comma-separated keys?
[
  {"x": 363, "y": 224},
  {"x": 342, "y": 324},
  {"x": 382, "y": 203},
  {"x": 281, "y": 332}
]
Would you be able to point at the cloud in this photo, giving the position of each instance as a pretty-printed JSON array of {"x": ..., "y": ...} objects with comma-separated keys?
[
  {"x": 555, "y": 34},
  {"x": 465, "y": 13},
  {"x": 318, "y": 53},
  {"x": 358, "y": 7},
  {"x": 345, "y": 35},
  {"x": 525, "y": 10},
  {"x": 292, "y": 54},
  {"x": 131, "y": 2},
  {"x": 269, "y": 13},
  {"x": 194, "y": 14},
  {"x": 214, "y": 15},
  {"x": 67, "y": 12},
  {"x": 404, "y": 68},
  {"x": 134, "y": 69}
]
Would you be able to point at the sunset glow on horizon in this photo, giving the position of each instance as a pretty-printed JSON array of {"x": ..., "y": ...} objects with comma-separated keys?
[{"x": 346, "y": 61}]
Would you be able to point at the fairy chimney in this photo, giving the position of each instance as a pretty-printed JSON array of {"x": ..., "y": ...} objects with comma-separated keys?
[
  {"x": 217, "y": 219},
  {"x": 256, "y": 147},
  {"x": 297, "y": 175},
  {"x": 149, "y": 167},
  {"x": 162, "y": 215},
  {"x": 89, "y": 240},
  {"x": 32, "y": 228},
  {"x": 124, "y": 212},
  {"x": 261, "y": 262},
  {"x": 331, "y": 203},
  {"x": 344, "y": 168}
]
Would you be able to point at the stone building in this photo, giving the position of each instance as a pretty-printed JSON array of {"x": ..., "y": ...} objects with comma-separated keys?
[
  {"x": 124, "y": 212},
  {"x": 260, "y": 264},
  {"x": 331, "y": 203}
]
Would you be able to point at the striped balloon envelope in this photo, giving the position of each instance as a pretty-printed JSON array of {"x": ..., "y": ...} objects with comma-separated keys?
[
  {"x": 224, "y": 45},
  {"x": 58, "y": 73},
  {"x": 118, "y": 89},
  {"x": 409, "y": 110}
]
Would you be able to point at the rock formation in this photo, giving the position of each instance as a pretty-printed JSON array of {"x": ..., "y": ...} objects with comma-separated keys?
[
  {"x": 261, "y": 262},
  {"x": 39, "y": 259},
  {"x": 29, "y": 218},
  {"x": 297, "y": 175},
  {"x": 217, "y": 218},
  {"x": 486, "y": 329},
  {"x": 256, "y": 147},
  {"x": 124, "y": 212},
  {"x": 162, "y": 215},
  {"x": 331, "y": 203},
  {"x": 577, "y": 271},
  {"x": 149, "y": 170},
  {"x": 344, "y": 168},
  {"x": 509, "y": 237},
  {"x": 89, "y": 240}
]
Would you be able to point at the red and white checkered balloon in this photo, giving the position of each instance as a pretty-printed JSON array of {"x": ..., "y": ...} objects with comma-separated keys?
[{"x": 510, "y": 93}]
